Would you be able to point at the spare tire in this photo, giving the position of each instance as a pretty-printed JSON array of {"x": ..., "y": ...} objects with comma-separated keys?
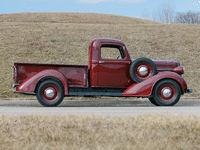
[{"x": 142, "y": 69}]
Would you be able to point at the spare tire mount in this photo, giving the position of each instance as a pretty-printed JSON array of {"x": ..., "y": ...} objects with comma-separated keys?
[{"x": 142, "y": 68}]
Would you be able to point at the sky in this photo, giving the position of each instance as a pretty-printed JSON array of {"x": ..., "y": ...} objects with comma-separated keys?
[{"x": 131, "y": 8}]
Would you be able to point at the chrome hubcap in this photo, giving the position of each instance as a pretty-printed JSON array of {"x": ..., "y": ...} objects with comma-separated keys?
[
  {"x": 167, "y": 93},
  {"x": 143, "y": 71},
  {"x": 50, "y": 93}
]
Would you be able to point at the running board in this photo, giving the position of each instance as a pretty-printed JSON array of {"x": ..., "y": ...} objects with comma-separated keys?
[
  {"x": 88, "y": 92},
  {"x": 24, "y": 93}
]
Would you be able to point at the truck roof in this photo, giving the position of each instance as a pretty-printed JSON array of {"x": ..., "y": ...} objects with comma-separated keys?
[{"x": 109, "y": 40}]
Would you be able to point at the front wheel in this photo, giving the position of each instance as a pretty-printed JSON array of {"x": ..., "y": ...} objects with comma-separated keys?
[
  {"x": 166, "y": 93},
  {"x": 50, "y": 93},
  {"x": 153, "y": 101}
]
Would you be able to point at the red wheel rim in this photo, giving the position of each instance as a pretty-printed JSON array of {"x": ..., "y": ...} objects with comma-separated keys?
[
  {"x": 50, "y": 93},
  {"x": 167, "y": 93},
  {"x": 145, "y": 75}
]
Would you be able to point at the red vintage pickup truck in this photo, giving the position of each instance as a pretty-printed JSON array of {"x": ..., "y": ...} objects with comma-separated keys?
[{"x": 111, "y": 72}]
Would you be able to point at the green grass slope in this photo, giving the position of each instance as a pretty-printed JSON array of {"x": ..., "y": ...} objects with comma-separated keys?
[{"x": 65, "y": 37}]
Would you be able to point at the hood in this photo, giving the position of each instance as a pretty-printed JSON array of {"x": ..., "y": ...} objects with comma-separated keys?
[{"x": 165, "y": 65}]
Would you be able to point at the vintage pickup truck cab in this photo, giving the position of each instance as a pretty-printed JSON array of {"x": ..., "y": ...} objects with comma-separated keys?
[{"x": 111, "y": 72}]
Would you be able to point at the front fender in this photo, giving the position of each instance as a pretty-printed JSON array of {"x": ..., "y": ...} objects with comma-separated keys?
[
  {"x": 30, "y": 84},
  {"x": 145, "y": 88}
]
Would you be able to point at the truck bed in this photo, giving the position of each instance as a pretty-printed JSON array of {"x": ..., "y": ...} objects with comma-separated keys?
[{"x": 75, "y": 74}]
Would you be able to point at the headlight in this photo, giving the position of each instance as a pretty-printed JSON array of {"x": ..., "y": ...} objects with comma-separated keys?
[{"x": 180, "y": 70}]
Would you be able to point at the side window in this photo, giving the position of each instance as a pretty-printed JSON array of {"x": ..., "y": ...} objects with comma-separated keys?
[{"x": 112, "y": 52}]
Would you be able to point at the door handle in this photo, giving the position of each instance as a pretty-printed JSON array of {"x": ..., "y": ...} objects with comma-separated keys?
[{"x": 101, "y": 62}]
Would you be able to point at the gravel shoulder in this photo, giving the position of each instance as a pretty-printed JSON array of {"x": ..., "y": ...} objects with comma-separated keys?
[{"x": 98, "y": 103}]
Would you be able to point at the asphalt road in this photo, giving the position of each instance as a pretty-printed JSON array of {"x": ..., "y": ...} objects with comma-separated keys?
[{"x": 98, "y": 107}]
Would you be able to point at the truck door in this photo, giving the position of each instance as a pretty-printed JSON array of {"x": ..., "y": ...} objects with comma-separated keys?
[{"x": 113, "y": 67}]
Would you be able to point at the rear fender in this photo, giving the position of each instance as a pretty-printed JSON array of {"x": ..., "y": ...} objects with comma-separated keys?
[
  {"x": 30, "y": 84},
  {"x": 145, "y": 88}
]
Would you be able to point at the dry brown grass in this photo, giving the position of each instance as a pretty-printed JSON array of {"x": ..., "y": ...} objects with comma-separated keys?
[
  {"x": 149, "y": 131},
  {"x": 65, "y": 37}
]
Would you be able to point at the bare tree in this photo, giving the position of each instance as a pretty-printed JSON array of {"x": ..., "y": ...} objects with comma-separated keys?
[
  {"x": 146, "y": 15},
  {"x": 166, "y": 13},
  {"x": 149, "y": 16},
  {"x": 188, "y": 18},
  {"x": 154, "y": 16}
]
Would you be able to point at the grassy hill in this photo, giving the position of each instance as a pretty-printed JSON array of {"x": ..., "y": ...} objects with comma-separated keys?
[{"x": 65, "y": 37}]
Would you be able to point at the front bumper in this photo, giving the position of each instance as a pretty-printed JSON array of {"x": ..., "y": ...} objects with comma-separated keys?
[
  {"x": 14, "y": 85},
  {"x": 189, "y": 90}
]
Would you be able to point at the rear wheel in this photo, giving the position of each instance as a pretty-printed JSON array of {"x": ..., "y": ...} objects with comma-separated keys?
[
  {"x": 166, "y": 93},
  {"x": 50, "y": 93}
]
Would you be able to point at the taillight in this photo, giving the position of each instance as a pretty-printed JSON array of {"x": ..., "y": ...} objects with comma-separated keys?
[{"x": 14, "y": 74}]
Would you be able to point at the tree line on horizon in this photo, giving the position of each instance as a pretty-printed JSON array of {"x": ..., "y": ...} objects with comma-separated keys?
[{"x": 166, "y": 14}]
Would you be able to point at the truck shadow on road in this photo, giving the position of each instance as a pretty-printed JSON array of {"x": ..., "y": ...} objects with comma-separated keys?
[
  {"x": 95, "y": 103},
  {"x": 106, "y": 103},
  {"x": 81, "y": 103}
]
